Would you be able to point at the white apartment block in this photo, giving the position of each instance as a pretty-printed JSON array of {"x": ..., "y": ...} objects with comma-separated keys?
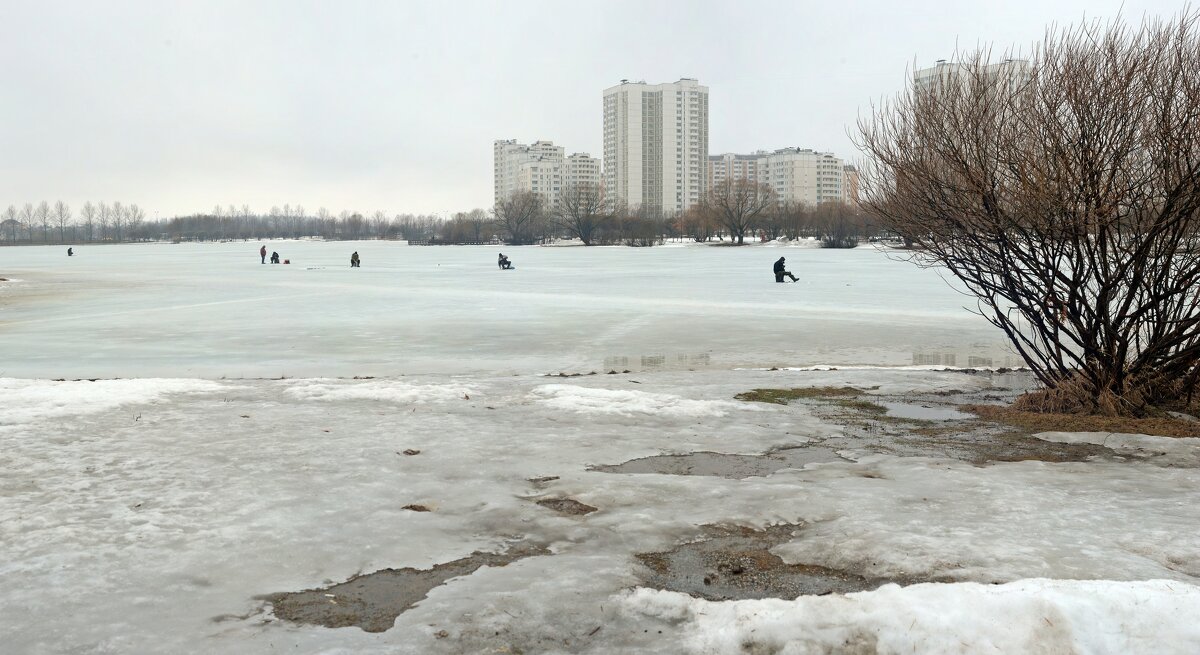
[
  {"x": 511, "y": 160},
  {"x": 581, "y": 170},
  {"x": 542, "y": 168},
  {"x": 1015, "y": 71},
  {"x": 729, "y": 166},
  {"x": 656, "y": 144},
  {"x": 794, "y": 174}
]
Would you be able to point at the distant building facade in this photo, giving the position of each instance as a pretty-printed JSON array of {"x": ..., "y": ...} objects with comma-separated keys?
[
  {"x": 1015, "y": 71},
  {"x": 541, "y": 168},
  {"x": 656, "y": 144},
  {"x": 796, "y": 175}
]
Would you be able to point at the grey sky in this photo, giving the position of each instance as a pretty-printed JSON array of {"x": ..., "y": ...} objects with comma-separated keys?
[{"x": 178, "y": 106}]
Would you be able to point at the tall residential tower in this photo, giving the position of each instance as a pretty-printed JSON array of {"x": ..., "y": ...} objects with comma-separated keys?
[{"x": 656, "y": 144}]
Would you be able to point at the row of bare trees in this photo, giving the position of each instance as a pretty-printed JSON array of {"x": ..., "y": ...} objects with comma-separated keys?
[
  {"x": 736, "y": 210},
  {"x": 743, "y": 208},
  {"x": 43, "y": 223}
]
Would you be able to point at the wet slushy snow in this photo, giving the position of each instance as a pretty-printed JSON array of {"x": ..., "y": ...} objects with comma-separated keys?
[{"x": 151, "y": 514}]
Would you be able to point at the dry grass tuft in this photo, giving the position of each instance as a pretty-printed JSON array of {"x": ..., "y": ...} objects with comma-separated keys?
[{"x": 1033, "y": 421}]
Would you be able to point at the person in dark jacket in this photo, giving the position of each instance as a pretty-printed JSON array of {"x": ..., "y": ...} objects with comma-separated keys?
[
  {"x": 503, "y": 261},
  {"x": 262, "y": 252},
  {"x": 70, "y": 252},
  {"x": 354, "y": 260},
  {"x": 274, "y": 258},
  {"x": 781, "y": 272}
]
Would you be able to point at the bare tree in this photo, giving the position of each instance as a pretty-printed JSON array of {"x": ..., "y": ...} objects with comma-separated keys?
[
  {"x": 1066, "y": 198},
  {"x": 517, "y": 216},
  {"x": 42, "y": 215},
  {"x": 10, "y": 221},
  {"x": 117, "y": 214},
  {"x": 88, "y": 215},
  {"x": 580, "y": 211},
  {"x": 104, "y": 216},
  {"x": 736, "y": 204},
  {"x": 133, "y": 219},
  {"x": 62, "y": 216}
]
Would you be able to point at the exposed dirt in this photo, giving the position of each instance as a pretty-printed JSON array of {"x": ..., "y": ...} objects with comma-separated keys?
[
  {"x": 725, "y": 465},
  {"x": 736, "y": 564},
  {"x": 373, "y": 601},
  {"x": 783, "y": 396},
  {"x": 566, "y": 506}
]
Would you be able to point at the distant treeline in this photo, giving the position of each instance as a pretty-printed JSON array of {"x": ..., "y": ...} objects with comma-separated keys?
[{"x": 518, "y": 220}]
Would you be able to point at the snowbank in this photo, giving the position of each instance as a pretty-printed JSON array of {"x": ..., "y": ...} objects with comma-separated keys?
[
  {"x": 26, "y": 401},
  {"x": 1029, "y": 616},
  {"x": 1180, "y": 451},
  {"x": 587, "y": 400},
  {"x": 395, "y": 391}
]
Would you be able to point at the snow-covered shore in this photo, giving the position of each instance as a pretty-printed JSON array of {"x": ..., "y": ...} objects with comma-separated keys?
[{"x": 147, "y": 515}]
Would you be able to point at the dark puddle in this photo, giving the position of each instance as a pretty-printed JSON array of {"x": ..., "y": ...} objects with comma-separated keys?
[
  {"x": 736, "y": 564},
  {"x": 725, "y": 465},
  {"x": 567, "y": 506},
  {"x": 373, "y": 601}
]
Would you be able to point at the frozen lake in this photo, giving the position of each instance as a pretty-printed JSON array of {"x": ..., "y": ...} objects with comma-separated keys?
[{"x": 212, "y": 310}]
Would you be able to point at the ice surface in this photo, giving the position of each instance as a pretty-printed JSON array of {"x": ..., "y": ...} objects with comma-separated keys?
[
  {"x": 150, "y": 525},
  {"x": 212, "y": 310}
]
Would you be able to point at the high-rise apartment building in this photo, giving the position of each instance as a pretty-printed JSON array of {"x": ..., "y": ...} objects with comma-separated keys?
[
  {"x": 581, "y": 170},
  {"x": 729, "y": 166},
  {"x": 656, "y": 144},
  {"x": 794, "y": 174},
  {"x": 540, "y": 168},
  {"x": 1014, "y": 71},
  {"x": 521, "y": 167}
]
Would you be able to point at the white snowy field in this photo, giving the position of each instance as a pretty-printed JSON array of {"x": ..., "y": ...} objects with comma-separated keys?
[
  {"x": 212, "y": 310},
  {"x": 147, "y": 511}
]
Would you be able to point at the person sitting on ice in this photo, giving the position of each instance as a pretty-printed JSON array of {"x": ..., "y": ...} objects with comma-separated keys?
[
  {"x": 781, "y": 272},
  {"x": 354, "y": 263},
  {"x": 70, "y": 252},
  {"x": 504, "y": 263},
  {"x": 274, "y": 258}
]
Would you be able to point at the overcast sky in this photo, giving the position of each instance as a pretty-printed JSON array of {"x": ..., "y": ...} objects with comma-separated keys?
[{"x": 393, "y": 106}]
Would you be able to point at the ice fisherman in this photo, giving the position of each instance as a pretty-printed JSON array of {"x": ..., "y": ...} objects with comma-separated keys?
[
  {"x": 70, "y": 252},
  {"x": 274, "y": 257},
  {"x": 262, "y": 252},
  {"x": 503, "y": 261},
  {"x": 781, "y": 271},
  {"x": 354, "y": 263}
]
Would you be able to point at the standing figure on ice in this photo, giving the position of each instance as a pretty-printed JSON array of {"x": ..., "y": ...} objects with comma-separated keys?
[
  {"x": 781, "y": 272},
  {"x": 262, "y": 252}
]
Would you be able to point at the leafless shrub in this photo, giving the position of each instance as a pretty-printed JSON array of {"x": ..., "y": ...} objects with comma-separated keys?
[{"x": 1065, "y": 197}]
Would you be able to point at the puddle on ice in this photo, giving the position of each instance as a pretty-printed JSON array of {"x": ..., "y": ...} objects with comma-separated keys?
[
  {"x": 724, "y": 465},
  {"x": 373, "y": 601},
  {"x": 923, "y": 412},
  {"x": 736, "y": 564}
]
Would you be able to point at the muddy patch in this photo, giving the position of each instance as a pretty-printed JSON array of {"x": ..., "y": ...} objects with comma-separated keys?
[
  {"x": 724, "y": 465},
  {"x": 736, "y": 564},
  {"x": 566, "y": 506},
  {"x": 373, "y": 601}
]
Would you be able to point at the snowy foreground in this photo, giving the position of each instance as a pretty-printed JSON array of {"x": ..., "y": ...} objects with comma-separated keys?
[{"x": 146, "y": 516}]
